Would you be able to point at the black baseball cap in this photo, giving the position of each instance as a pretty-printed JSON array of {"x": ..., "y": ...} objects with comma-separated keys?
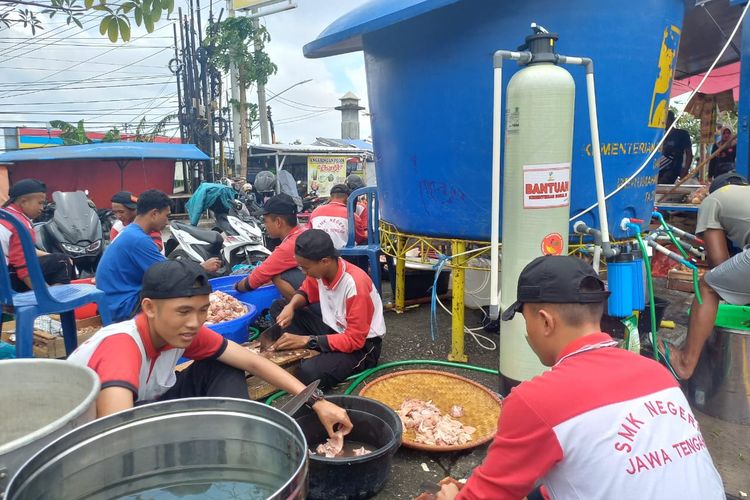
[
  {"x": 281, "y": 204},
  {"x": 315, "y": 244},
  {"x": 171, "y": 279},
  {"x": 340, "y": 189},
  {"x": 726, "y": 179},
  {"x": 556, "y": 279},
  {"x": 126, "y": 199},
  {"x": 26, "y": 186}
]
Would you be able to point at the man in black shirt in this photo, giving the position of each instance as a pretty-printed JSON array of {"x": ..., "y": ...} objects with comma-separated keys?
[{"x": 677, "y": 146}]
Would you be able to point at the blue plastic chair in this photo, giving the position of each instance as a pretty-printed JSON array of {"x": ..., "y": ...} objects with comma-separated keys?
[
  {"x": 372, "y": 248},
  {"x": 60, "y": 299}
]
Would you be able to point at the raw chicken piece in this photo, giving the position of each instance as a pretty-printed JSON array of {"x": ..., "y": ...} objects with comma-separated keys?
[
  {"x": 223, "y": 307},
  {"x": 457, "y": 411},
  {"x": 358, "y": 452},
  {"x": 332, "y": 447},
  {"x": 431, "y": 427}
]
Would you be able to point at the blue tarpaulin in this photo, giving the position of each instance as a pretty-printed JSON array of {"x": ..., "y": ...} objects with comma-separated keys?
[{"x": 108, "y": 151}]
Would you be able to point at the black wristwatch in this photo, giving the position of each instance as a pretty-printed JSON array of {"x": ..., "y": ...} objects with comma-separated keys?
[
  {"x": 316, "y": 396},
  {"x": 313, "y": 342}
]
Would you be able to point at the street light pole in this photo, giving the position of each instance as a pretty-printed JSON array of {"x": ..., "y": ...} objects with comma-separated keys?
[{"x": 274, "y": 96}]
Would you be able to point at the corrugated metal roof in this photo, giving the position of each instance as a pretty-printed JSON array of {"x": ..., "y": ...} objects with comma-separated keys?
[{"x": 108, "y": 151}]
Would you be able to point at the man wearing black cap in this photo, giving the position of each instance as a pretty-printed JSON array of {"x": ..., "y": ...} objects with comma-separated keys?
[
  {"x": 280, "y": 218},
  {"x": 723, "y": 216},
  {"x": 121, "y": 269},
  {"x": 333, "y": 217},
  {"x": 136, "y": 359},
  {"x": 349, "y": 330},
  {"x": 26, "y": 202},
  {"x": 602, "y": 420},
  {"x": 124, "y": 206}
]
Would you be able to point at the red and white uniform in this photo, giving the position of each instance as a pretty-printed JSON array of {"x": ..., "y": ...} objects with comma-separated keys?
[
  {"x": 118, "y": 226},
  {"x": 123, "y": 355},
  {"x": 350, "y": 305},
  {"x": 281, "y": 259},
  {"x": 11, "y": 243},
  {"x": 332, "y": 218},
  {"x": 602, "y": 423}
]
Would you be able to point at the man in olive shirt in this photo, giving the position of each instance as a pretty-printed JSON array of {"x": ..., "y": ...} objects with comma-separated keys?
[{"x": 723, "y": 215}]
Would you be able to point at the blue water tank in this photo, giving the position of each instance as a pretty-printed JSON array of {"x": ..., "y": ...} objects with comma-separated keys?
[{"x": 429, "y": 75}]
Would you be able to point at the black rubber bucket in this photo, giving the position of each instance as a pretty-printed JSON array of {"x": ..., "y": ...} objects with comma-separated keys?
[
  {"x": 353, "y": 477},
  {"x": 614, "y": 327}
]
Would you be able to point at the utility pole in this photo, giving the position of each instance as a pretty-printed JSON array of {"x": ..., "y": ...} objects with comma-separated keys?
[
  {"x": 235, "y": 85},
  {"x": 262, "y": 116}
]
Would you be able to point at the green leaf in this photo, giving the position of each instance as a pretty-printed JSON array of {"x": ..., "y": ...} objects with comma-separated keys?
[
  {"x": 148, "y": 23},
  {"x": 112, "y": 31},
  {"x": 127, "y": 7},
  {"x": 104, "y": 25},
  {"x": 138, "y": 15},
  {"x": 78, "y": 23},
  {"x": 155, "y": 13},
  {"x": 88, "y": 3},
  {"x": 103, "y": 8},
  {"x": 170, "y": 6},
  {"x": 124, "y": 29}
]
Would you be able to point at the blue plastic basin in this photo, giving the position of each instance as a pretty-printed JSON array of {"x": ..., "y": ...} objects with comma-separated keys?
[{"x": 236, "y": 329}]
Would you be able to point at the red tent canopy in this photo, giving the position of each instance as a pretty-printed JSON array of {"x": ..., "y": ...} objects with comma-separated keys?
[{"x": 721, "y": 79}]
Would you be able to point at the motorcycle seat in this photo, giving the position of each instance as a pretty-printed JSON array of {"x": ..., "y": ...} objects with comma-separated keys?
[{"x": 202, "y": 234}]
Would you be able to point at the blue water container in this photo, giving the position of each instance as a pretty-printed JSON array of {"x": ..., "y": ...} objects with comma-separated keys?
[
  {"x": 430, "y": 79},
  {"x": 639, "y": 281},
  {"x": 620, "y": 281}
]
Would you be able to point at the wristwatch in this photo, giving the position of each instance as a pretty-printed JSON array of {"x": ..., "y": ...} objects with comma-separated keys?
[
  {"x": 312, "y": 343},
  {"x": 316, "y": 396}
]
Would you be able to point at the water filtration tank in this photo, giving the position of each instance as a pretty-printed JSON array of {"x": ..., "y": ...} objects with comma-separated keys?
[{"x": 429, "y": 74}]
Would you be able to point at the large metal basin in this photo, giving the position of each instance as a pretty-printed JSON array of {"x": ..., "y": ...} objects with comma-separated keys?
[
  {"x": 172, "y": 444},
  {"x": 40, "y": 400},
  {"x": 720, "y": 385}
]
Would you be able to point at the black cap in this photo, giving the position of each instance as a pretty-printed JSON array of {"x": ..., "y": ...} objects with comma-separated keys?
[
  {"x": 281, "y": 204},
  {"x": 171, "y": 279},
  {"x": 556, "y": 279},
  {"x": 315, "y": 244},
  {"x": 26, "y": 186},
  {"x": 340, "y": 189},
  {"x": 354, "y": 181},
  {"x": 726, "y": 179},
  {"x": 126, "y": 199}
]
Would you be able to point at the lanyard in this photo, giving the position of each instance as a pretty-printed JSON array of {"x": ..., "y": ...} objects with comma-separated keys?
[{"x": 590, "y": 347}]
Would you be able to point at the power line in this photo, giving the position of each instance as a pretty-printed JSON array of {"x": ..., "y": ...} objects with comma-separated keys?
[{"x": 77, "y": 102}]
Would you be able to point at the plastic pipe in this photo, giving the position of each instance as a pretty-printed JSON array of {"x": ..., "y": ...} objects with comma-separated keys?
[
  {"x": 254, "y": 334},
  {"x": 497, "y": 132},
  {"x": 650, "y": 282},
  {"x": 669, "y": 233}
]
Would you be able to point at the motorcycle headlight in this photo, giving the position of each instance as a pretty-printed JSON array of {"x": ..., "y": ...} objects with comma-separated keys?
[
  {"x": 72, "y": 248},
  {"x": 94, "y": 246}
]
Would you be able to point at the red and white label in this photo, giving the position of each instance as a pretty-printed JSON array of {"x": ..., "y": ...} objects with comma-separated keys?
[{"x": 546, "y": 186}]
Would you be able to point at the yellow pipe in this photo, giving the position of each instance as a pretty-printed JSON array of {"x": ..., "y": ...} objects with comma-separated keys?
[
  {"x": 400, "y": 274},
  {"x": 457, "y": 328}
]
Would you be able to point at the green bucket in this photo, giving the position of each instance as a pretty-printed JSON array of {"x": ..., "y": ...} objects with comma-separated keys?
[{"x": 733, "y": 317}]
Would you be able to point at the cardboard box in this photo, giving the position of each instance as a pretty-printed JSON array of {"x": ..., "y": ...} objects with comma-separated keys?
[
  {"x": 47, "y": 345},
  {"x": 682, "y": 280}
]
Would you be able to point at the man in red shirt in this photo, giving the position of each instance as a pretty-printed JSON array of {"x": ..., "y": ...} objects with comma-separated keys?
[
  {"x": 27, "y": 198},
  {"x": 280, "y": 218},
  {"x": 135, "y": 359},
  {"x": 124, "y": 205},
  {"x": 333, "y": 218},
  {"x": 602, "y": 422}
]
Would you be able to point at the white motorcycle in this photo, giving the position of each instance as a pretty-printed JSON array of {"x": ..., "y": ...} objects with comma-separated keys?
[{"x": 233, "y": 240}]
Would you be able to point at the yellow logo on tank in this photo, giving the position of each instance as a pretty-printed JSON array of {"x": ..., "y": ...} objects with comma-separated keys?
[{"x": 667, "y": 61}]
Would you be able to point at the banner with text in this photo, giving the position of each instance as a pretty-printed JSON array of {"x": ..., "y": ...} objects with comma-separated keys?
[
  {"x": 546, "y": 186},
  {"x": 323, "y": 172}
]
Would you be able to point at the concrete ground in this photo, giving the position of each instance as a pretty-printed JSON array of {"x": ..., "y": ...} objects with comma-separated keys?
[{"x": 409, "y": 338}]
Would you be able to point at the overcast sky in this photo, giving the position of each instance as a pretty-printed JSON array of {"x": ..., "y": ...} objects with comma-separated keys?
[{"x": 68, "y": 73}]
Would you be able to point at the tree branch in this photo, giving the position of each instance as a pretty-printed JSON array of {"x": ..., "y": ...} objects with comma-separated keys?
[{"x": 44, "y": 6}]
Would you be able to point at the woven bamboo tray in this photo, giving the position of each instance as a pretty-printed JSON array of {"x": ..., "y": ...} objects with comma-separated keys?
[{"x": 481, "y": 406}]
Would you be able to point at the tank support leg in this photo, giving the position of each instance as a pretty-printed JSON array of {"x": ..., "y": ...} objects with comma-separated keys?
[
  {"x": 457, "y": 328},
  {"x": 400, "y": 274}
]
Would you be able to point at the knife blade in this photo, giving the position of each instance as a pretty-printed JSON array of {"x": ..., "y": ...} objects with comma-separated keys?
[
  {"x": 269, "y": 336},
  {"x": 294, "y": 404}
]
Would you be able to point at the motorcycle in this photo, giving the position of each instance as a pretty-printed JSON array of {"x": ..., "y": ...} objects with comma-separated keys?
[
  {"x": 71, "y": 226},
  {"x": 233, "y": 240}
]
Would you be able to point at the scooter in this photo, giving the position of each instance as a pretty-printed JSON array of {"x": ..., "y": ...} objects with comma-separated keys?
[
  {"x": 232, "y": 240},
  {"x": 72, "y": 227}
]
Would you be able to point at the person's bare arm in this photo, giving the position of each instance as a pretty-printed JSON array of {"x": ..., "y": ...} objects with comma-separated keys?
[
  {"x": 113, "y": 399},
  {"x": 716, "y": 246},
  {"x": 244, "y": 359},
  {"x": 40, "y": 253},
  {"x": 286, "y": 315}
]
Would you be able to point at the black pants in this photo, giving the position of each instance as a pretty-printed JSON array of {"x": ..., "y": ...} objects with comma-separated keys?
[
  {"x": 333, "y": 367},
  {"x": 208, "y": 378},
  {"x": 56, "y": 268}
]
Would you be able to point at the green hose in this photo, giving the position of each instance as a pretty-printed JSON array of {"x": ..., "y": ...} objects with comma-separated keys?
[
  {"x": 650, "y": 282},
  {"x": 666, "y": 227},
  {"x": 360, "y": 377},
  {"x": 696, "y": 288},
  {"x": 254, "y": 334}
]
